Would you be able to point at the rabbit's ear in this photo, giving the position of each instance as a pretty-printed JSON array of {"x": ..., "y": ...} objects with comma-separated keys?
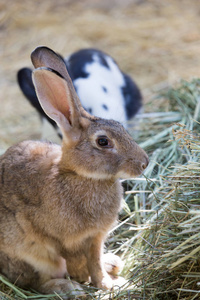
[
  {"x": 45, "y": 57},
  {"x": 58, "y": 101}
]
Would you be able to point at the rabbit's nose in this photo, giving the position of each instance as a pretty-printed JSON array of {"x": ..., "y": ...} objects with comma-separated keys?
[{"x": 145, "y": 162}]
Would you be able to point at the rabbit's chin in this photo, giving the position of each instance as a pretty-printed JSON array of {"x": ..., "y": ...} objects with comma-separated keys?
[
  {"x": 106, "y": 176},
  {"x": 124, "y": 175},
  {"x": 95, "y": 175}
]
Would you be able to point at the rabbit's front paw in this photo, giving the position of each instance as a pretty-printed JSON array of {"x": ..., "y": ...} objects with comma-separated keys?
[{"x": 106, "y": 283}]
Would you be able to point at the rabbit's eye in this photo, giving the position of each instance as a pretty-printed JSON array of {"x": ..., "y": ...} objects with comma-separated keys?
[{"x": 103, "y": 141}]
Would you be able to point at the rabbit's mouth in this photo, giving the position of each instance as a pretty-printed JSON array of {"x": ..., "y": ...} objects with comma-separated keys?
[
  {"x": 127, "y": 175},
  {"x": 132, "y": 168}
]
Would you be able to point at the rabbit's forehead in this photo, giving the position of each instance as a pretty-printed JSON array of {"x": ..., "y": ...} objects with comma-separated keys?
[
  {"x": 106, "y": 127},
  {"x": 111, "y": 129},
  {"x": 101, "y": 132}
]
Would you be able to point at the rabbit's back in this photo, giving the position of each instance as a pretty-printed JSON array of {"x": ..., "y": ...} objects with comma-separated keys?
[
  {"x": 24, "y": 165},
  {"x": 22, "y": 177}
]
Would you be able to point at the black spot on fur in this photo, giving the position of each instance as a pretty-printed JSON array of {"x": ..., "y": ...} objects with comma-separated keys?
[
  {"x": 105, "y": 106},
  {"x": 104, "y": 89},
  {"x": 89, "y": 110},
  {"x": 60, "y": 135}
]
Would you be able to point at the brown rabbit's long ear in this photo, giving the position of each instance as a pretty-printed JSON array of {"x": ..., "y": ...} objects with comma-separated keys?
[
  {"x": 45, "y": 57},
  {"x": 57, "y": 100}
]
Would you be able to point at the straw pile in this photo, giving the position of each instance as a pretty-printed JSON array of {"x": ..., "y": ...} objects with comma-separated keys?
[{"x": 163, "y": 256}]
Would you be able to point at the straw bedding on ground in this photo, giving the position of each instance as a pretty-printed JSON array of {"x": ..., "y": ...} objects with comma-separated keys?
[{"x": 158, "y": 234}]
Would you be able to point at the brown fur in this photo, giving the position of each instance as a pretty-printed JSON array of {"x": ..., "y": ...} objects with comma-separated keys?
[{"x": 57, "y": 204}]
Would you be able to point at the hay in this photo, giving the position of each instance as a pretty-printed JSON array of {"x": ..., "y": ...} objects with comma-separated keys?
[
  {"x": 165, "y": 262},
  {"x": 160, "y": 239}
]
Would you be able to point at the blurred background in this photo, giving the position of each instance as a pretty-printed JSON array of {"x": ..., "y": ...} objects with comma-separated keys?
[{"x": 156, "y": 42}]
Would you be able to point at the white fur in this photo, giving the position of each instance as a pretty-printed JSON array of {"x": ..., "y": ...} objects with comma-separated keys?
[
  {"x": 90, "y": 90},
  {"x": 123, "y": 175}
]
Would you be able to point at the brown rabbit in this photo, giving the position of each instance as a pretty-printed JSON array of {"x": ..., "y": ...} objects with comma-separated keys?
[{"x": 57, "y": 204}]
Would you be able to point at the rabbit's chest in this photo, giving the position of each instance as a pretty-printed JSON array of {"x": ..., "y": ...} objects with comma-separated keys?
[
  {"x": 96, "y": 213},
  {"x": 82, "y": 210},
  {"x": 97, "y": 205}
]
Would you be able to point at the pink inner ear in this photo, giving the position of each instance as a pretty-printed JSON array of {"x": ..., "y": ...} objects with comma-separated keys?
[
  {"x": 60, "y": 95},
  {"x": 54, "y": 96}
]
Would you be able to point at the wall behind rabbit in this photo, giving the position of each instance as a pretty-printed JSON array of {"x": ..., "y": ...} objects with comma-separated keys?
[{"x": 156, "y": 42}]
